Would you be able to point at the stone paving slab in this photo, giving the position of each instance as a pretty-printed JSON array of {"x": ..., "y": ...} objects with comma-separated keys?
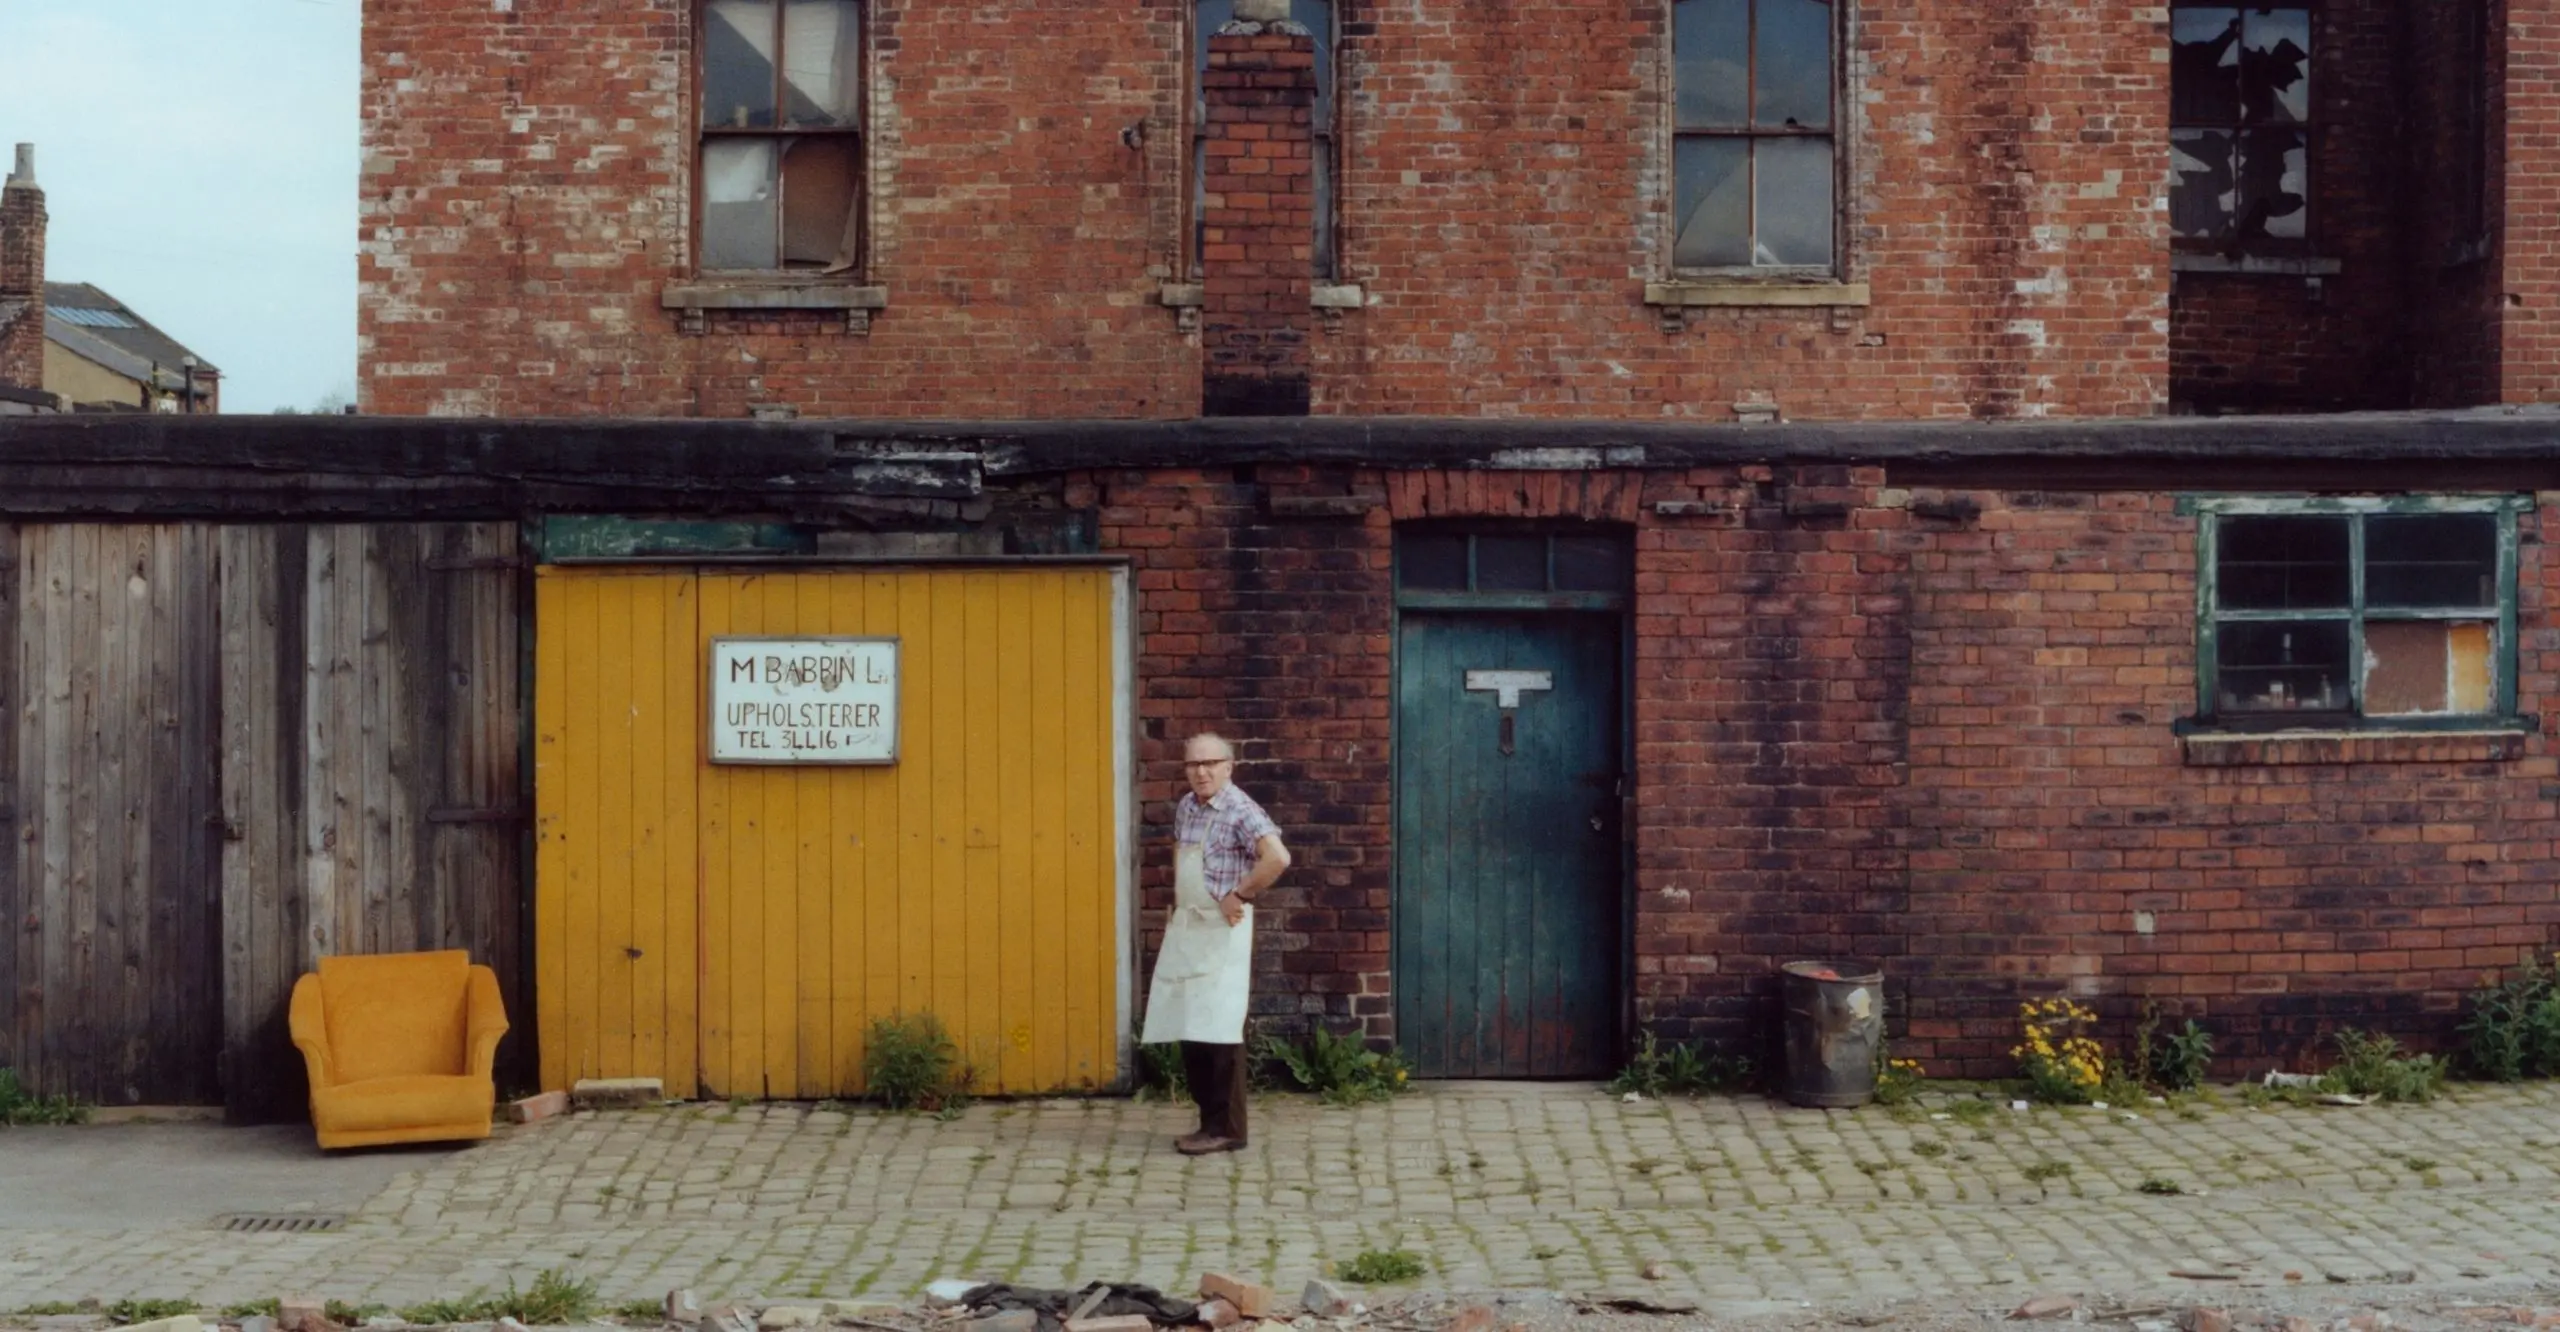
[{"x": 1744, "y": 1201}]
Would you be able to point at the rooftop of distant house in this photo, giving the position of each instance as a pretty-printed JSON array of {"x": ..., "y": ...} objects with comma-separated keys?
[{"x": 96, "y": 326}]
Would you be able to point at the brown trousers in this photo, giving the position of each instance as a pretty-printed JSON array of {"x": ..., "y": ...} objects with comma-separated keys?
[{"x": 1216, "y": 1075}]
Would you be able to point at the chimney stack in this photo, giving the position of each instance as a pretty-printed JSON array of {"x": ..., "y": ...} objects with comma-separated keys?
[
  {"x": 22, "y": 219},
  {"x": 1257, "y": 253}
]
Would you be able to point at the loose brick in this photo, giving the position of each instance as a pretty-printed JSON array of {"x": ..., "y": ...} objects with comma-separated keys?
[
  {"x": 538, "y": 1107},
  {"x": 1250, "y": 1300}
]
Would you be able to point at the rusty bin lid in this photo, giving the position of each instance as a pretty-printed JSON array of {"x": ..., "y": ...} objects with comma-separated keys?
[{"x": 1853, "y": 973}]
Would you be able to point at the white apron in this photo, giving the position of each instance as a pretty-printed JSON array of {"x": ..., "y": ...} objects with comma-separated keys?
[{"x": 1205, "y": 968}]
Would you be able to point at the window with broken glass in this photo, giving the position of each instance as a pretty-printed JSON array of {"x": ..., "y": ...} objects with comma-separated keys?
[
  {"x": 2240, "y": 128},
  {"x": 1316, "y": 16},
  {"x": 1753, "y": 149},
  {"x": 781, "y": 166},
  {"x": 2325, "y": 613}
]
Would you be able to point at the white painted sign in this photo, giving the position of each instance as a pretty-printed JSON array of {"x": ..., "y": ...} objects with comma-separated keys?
[
  {"x": 1505, "y": 686},
  {"x": 804, "y": 700}
]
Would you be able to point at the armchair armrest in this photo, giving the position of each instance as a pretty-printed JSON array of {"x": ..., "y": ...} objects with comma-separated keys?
[
  {"x": 310, "y": 1032},
  {"x": 486, "y": 1021}
]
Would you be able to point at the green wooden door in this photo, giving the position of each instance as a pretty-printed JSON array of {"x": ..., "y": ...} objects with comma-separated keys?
[{"x": 1507, "y": 844}]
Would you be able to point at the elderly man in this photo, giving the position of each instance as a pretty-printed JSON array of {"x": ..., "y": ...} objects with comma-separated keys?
[{"x": 1226, "y": 853}]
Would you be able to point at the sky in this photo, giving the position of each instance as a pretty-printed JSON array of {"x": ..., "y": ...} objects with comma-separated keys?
[{"x": 198, "y": 158}]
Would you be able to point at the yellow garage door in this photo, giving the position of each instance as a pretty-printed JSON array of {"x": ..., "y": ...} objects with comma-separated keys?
[{"x": 735, "y": 930}]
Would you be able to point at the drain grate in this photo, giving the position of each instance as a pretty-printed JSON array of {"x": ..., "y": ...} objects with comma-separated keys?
[{"x": 280, "y": 1223}]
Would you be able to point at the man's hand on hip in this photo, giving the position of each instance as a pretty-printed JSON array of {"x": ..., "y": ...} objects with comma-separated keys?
[{"x": 1231, "y": 906}]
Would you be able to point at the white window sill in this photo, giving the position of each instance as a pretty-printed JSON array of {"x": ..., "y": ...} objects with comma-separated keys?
[
  {"x": 2262, "y": 265},
  {"x": 693, "y": 301},
  {"x": 771, "y": 294},
  {"x": 2492, "y": 743},
  {"x": 1320, "y": 296},
  {"x": 1754, "y": 292}
]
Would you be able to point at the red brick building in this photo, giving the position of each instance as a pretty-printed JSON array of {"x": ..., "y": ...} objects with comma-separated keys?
[{"x": 2238, "y": 716}]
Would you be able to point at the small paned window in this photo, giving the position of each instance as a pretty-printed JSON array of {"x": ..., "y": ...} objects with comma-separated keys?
[
  {"x": 781, "y": 139},
  {"x": 1524, "y": 562},
  {"x": 1753, "y": 154},
  {"x": 2319, "y": 613},
  {"x": 1316, "y": 16},
  {"x": 2241, "y": 125}
]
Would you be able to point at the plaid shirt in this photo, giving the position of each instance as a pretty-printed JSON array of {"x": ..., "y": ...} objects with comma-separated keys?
[{"x": 1227, "y": 829}]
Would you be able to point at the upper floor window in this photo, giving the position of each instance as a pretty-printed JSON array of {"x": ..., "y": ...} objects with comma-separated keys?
[
  {"x": 1755, "y": 88},
  {"x": 1316, "y": 16},
  {"x": 2240, "y": 127},
  {"x": 2327, "y": 612},
  {"x": 781, "y": 166}
]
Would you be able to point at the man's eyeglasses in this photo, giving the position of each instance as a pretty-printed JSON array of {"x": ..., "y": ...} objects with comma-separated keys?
[{"x": 1190, "y": 764}]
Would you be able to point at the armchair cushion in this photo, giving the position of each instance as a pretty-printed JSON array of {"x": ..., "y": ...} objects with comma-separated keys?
[
  {"x": 400, "y": 1047},
  {"x": 396, "y": 1014}
]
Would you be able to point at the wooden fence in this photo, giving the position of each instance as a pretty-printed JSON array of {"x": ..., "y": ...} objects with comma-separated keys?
[{"x": 228, "y": 750}]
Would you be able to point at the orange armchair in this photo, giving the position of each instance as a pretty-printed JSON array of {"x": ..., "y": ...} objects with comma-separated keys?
[{"x": 400, "y": 1047}]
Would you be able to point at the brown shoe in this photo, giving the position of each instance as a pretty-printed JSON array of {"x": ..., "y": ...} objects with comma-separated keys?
[
  {"x": 1189, "y": 1143},
  {"x": 1204, "y": 1145}
]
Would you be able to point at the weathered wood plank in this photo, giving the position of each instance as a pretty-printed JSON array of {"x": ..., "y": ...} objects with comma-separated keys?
[{"x": 16, "y": 977}]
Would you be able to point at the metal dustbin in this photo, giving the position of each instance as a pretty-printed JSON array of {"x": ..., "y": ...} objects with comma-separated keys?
[{"x": 1835, "y": 1029}]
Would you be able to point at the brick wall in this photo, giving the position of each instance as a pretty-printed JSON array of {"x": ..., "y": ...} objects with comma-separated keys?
[
  {"x": 1922, "y": 726},
  {"x": 526, "y": 191},
  {"x": 1507, "y": 194},
  {"x": 1505, "y": 197},
  {"x": 2529, "y": 254}
]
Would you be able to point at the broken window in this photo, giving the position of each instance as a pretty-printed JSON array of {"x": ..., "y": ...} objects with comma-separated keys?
[
  {"x": 781, "y": 165},
  {"x": 2321, "y": 612},
  {"x": 1316, "y": 16},
  {"x": 1753, "y": 148},
  {"x": 2240, "y": 126}
]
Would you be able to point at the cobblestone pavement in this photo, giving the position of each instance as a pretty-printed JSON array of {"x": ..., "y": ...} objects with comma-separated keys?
[{"x": 1746, "y": 1204}]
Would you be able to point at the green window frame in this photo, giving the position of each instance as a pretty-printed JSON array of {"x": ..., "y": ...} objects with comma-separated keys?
[{"x": 2355, "y": 613}]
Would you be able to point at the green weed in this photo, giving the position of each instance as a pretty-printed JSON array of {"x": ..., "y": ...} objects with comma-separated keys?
[
  {"x": 2043, "y": 1172},
  {"x": 2514, "y": 1027},
  {"x": 144, "y": 1311},
  {"x": 2371, "y": 1064},
  {"x": 1161, "y": 1076},
  {"x": 2167, "y": 1188},
  {"x": 270, "y": 1307},
  {"x": 1378, "y": 1267},
  {"x": 20, "y": 1106},
  {"x": 911, "y": 1063},
  {"x": 1340, "y": 1070},
  {"x": 1680, "y": 1068}
]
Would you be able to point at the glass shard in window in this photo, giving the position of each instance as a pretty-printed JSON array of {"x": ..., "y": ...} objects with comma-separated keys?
[
  {"x": 1712, "y": 195},
  {"x": 1432, "y": 560},
  {"x": 822, "y": 62},
  {"x": 1795, "y": 202},
  {"x": 2282, "y": 665},
  {"x": 738, "y": 203},
  {"x": 1711, "y": 55},
  {"x": 1590, "y": 564},
  {"x": 737, "y": 65},
  {"x": 2415, "y": 667},
  {"x": 2281, "y": 563},
  {"x": 820, "y": 176},
  {"x": 1792, "y": 83},
  {"x": 1511, "y": 564},
  {"x": 2204, "y": 66},
  {"x": 2441, "y": 561},
  {"x": 2273, "y": 180},
  {"x": 2275, "y": 66},
  {"x": 2202, "y": 197}
]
